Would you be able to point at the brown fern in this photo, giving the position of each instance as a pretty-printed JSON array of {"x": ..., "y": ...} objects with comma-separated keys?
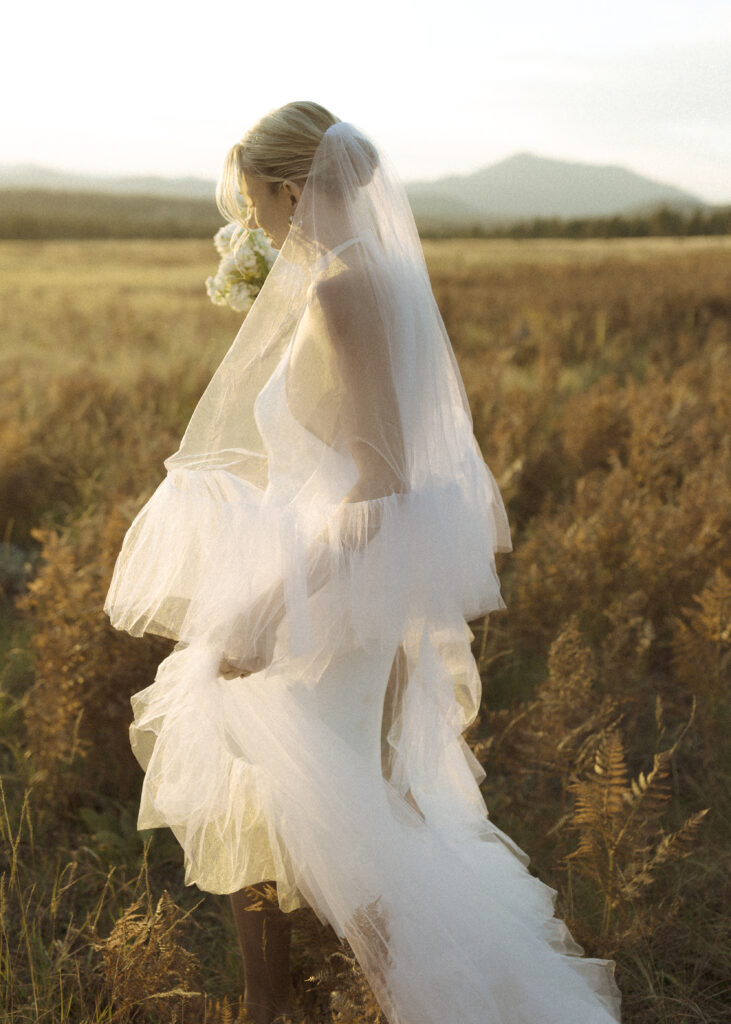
[
  {"x": 622, "y": 842},
  {"x": 77, "y": 710},
  {"x": 702, "y": 642},
  {"x": 556, "y": 732},
  {"x": 146, "y": 966}
]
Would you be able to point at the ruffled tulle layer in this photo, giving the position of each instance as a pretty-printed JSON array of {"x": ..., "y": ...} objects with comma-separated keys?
[
  {"x": 291, "y": 775},
  {"x": 208, "y": 549}
]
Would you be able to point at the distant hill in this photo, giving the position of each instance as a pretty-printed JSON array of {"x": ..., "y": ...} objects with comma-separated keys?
[
  {"x": 31, "y": 176},
  {"x": 518, "y": 187},
  {"x": 526, "y": 186},
  {"x": 38, "y": 202}
]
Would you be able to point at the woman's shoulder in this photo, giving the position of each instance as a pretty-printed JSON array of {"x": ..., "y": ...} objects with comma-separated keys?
[{"x": 347, "y": 294}]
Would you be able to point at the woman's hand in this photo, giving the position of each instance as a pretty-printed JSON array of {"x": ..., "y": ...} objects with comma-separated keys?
[
  {"x": 261, "y": 654},
  {"x": 232, "y": 670}
]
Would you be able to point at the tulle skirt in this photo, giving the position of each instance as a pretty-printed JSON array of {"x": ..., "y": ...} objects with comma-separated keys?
[{"x": 345, "y": 779}]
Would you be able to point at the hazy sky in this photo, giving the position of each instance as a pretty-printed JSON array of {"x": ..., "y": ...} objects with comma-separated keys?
[{"x": 150, "y": 86}]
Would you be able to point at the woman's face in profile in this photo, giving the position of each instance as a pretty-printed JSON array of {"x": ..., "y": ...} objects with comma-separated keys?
[{"x": 269, "y": 209}]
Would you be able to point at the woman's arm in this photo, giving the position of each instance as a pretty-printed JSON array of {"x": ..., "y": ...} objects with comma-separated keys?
[
  {"x": 370, "y": 421},
  {"x": 370, "y": 417}
]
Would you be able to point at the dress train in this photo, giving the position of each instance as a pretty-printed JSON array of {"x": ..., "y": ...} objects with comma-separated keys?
[{"x": 285, "y": 780}]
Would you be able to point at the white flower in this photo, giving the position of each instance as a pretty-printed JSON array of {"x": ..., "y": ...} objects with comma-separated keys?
[
  {"x": 240, "y": 297},
  {"x": 246, "y": 260},
  {"x": 215, "y": 291},
  {"x": 222, "y": 238}
]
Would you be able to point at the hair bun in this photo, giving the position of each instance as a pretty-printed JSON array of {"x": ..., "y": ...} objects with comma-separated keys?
[{"x": 361, "y": 153}]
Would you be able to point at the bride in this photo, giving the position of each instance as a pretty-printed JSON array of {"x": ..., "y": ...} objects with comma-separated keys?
[{"x": 322, "y": 536}]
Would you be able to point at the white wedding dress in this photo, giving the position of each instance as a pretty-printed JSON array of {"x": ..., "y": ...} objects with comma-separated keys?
[
  {"x": 355, "y": 792},
  {"x": 340, "y": 771}
]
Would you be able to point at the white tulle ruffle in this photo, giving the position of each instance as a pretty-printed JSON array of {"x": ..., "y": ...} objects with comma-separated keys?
[
  {"x": 286, "y": 775},
  {"x": 208, "y": 547}
]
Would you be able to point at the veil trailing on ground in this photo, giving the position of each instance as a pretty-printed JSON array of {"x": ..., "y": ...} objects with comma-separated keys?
[{"x": 377, "y": 427}]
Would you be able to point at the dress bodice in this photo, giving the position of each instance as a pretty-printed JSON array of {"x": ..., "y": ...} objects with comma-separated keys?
[{"x": 297, "y": 458}]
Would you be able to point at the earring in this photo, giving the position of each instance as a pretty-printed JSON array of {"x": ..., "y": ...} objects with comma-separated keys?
[{"x": 291, "y": 217}]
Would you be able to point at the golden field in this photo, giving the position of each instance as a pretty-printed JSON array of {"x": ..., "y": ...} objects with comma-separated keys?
[{"x": 598, "y": 376}]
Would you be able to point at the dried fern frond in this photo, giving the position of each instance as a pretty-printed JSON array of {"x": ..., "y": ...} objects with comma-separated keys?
[
  {"x": 622, "y": 842},
  {"x": 146, "y": 967},
  {"x": 77, "y": 710},
  {"x": 221, "y": 1011},
  {"x": 610, "y": 782},
  {"x": 351, "y": 999},
  {"x": 627, "y": 645},
  {"x": 702, "y": 640},
  {"x": 671, "y": 847},
  {"x": 556, "y": 733}
]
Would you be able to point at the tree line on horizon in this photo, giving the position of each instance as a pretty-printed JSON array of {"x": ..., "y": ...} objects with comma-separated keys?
[
  {"x": 664, "y": 221},
  {"x": 40, "y": 214}
]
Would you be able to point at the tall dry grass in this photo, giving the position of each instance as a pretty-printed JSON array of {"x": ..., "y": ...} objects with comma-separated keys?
[{"x": 598, "y": 378}]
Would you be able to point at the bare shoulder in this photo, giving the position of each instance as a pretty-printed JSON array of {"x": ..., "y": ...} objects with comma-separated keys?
[
  {"x": 340, "y": 287},
  {"x": 347, "y": 300}
]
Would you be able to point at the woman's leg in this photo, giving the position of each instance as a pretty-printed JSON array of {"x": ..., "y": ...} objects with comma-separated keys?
[
  {"x": 264, "y": 938},
  {"x": 347, "y": 702}
]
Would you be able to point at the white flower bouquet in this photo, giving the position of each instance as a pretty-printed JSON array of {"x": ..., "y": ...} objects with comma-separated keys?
[{"x": 243, "y": 268}]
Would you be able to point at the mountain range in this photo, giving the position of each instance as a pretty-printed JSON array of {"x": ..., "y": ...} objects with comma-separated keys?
[
  {"x": 31, "y": 176},
  {"x": 523, "y": 186}
]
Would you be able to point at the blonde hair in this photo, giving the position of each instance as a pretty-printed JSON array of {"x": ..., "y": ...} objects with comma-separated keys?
[{"x": 280, "y": 147}]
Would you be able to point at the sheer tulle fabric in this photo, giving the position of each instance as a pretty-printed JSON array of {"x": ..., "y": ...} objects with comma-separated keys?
[{"x": 329, "y": 504}]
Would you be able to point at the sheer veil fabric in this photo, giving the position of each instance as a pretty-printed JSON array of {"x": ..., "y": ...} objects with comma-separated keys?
[{"x": 329, "y": 513}]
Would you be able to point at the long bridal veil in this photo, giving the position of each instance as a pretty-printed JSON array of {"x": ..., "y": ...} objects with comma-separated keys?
[
  {"x": 371, "y": 375},
  {"x": 329, "y": 504}
]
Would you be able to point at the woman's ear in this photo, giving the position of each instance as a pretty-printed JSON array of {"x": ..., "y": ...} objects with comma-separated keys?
[{"x": 293, "y": 189}]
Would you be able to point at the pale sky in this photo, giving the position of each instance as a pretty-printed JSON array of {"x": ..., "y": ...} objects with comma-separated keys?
[{"x": 154, "y": 87}]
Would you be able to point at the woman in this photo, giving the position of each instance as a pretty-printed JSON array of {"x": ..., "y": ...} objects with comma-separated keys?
[{"x": 323, "y": 534}]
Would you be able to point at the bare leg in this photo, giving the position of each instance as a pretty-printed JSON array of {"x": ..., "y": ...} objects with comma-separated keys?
[{"x": 264, "y": 938}]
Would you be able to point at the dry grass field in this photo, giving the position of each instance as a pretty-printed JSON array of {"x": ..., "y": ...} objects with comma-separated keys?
[{"x": 598, "y": 376}]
